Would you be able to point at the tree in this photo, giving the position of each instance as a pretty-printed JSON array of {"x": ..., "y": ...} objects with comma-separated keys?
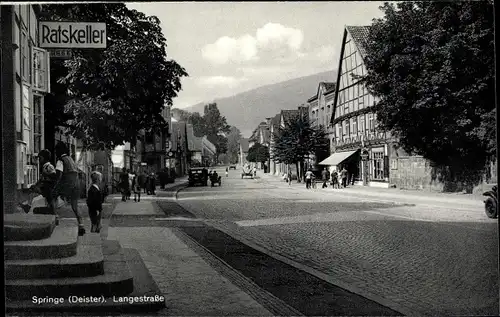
[
  {"x": 216, "y": 128},
  {"x": 258, "y": 153},
  {"x": 198, "y": 122},
  {"x": 233, "y": 144},
  {"x": 431, "y": 65},
  {"x": 297, "y": 140},
  {"x": 106, "y": 96},
  {"x": 180, "y": 115}
]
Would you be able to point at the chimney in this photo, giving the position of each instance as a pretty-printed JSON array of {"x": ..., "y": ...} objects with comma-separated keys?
[{"x": 268, "y": 121}]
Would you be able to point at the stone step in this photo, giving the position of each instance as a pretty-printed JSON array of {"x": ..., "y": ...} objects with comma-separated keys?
[
  {"x": 88, "y": 261},
  {"x": 116, "y": 281},
  {"x": 62, "y": 243},
  {"x": 22, "y": 227},
  {"x": 144, "y": 285}
]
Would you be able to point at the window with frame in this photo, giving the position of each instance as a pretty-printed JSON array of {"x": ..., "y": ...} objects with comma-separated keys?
[
  {"x": 41, "y": 72},
  {"x": 25, "y": 53},
  {"x": 37, "y": 123},
  {"x": 346, "y": 108},
  {"x": 378, "y": 165},
  {"x": 347, "y": 127},
  {"x": 26, "y": 117},
  {"x": 371, "y": 123},
  {"x": 362, "y": 124},
  {"x": 355, "y": 125}
]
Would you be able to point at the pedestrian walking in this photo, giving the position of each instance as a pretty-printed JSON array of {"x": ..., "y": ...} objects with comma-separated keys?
[
  {"x": 254, "y": 171},
  {"x": 124, "y": 184},
  {"x": 335, "y": 179},
  {"x": 95, "y": 199},
  {"x": 152, "y": 184},
  {"x": 343, "y": 175},
  {"x": 324, "y": 177},
  {"x": 309, "y": 175},
  {"x": 136, "y": 186},
  {"x": 289, "y": 178},
  {"x": 227, "y": 171},
  {"x": 68, "y": 184},
  {"x": 131, "y": 176}
]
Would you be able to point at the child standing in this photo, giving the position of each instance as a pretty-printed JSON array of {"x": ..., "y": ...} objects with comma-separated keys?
[
  {"x": 136, "y": 185},
  {"x": 94, "y": 201}
]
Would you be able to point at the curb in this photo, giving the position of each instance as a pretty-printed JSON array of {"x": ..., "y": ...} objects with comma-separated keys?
[
  {"x": 406, "y": 311},
  {"x": 270, "y": 302},
  {"x": 180, "y": 187}
]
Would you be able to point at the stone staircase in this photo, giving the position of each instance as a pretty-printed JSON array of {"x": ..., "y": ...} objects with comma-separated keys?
[{"x": 64, "y": 270}]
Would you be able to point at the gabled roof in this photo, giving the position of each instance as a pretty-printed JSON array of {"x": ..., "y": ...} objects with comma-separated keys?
[
  {"x": 275, "y": 121},
  {"x": 329, "y": 87},
  {"x": 313, "y": 98},
  {"x": 196, "y": 144},
  {"x": 288, "y": 114},
  {"x": 359, "y": 35},
  {"x": 244, "y": 144}
]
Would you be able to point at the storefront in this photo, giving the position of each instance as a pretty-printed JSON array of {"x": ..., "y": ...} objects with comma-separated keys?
[{"x": 25, "y": 81}]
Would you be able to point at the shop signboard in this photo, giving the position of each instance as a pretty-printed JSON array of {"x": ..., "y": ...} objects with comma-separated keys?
[{"x": 72, "y": 34}]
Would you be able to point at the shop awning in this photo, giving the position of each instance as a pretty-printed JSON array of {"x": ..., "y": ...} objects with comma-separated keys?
[{"x": 337, "y": 158}]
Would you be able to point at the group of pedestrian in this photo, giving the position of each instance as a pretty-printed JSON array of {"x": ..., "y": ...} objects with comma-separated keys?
[
  {"x": 60, "y": 185},
  {"x": 136, "y": 183},
  {"x": 339, "y": 179}
]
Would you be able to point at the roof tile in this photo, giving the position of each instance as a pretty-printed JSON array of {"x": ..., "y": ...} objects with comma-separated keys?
[{"x": 359, "y": 35}]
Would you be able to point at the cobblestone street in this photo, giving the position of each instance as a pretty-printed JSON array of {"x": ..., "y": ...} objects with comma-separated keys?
[{"x": 418, "y": 255}]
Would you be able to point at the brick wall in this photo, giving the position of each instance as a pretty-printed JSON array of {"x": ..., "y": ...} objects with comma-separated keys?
[{"x": 415, "y": 172}]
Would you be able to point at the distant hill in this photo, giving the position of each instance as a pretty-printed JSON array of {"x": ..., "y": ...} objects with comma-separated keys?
[{"x": 247, "y": 109}]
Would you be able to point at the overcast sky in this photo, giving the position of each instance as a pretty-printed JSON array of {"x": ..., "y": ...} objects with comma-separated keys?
[{"x": 231, "y": 47}]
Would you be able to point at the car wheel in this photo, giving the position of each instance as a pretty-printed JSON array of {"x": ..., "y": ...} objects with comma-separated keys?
[{"x": 490, "y": 208}]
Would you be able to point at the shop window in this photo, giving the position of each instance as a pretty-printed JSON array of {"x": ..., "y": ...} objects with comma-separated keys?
[
  {"x": 37, "y": 123},
  {"x": 41, "y": 70},
  {"x": 378, "y": 165}
]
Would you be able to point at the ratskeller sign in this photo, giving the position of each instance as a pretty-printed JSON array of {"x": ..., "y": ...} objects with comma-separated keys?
[{"x": 72, "y": 34}]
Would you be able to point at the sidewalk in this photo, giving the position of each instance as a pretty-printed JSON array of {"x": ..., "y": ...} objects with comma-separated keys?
[
  {"x": 388, "y": 193},
  {"x": 191, "y": 286}
]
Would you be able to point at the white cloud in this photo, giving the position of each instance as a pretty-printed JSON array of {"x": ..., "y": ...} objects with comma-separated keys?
[
  {"x": 227, "y": 49},
  {"x": 272, "y": 37},
  {"x": 277, "y": 34}
]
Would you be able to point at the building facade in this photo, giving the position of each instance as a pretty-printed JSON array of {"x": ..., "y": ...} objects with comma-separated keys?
[
  {"x": 203, "y": 151},
  {"x": 243, "y": 153},
  {"x": 25, "y": 81},
  {"x": 320, "y": 109},
  {"x": 357, "y": 144}
]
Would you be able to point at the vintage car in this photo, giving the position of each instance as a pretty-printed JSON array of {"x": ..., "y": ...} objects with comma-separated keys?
[
  {"x": 232, "y": 167},
  {"x": 198, "y": 175},
  {"x": 215, "y": 179},
  {"x": 246, "y": 171}
]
